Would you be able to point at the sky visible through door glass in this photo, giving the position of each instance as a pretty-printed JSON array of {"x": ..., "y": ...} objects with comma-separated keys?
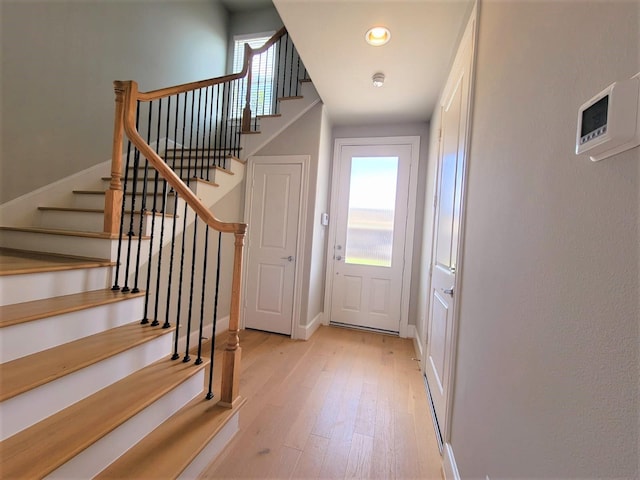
[{"x": 372, "y": 199}]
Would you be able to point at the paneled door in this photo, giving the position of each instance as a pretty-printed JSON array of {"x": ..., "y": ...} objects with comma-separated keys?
[
  {"x": 369, "y": 246},
  {"x": 440, "y": 344},
  {"x": 274, "y": 217}
]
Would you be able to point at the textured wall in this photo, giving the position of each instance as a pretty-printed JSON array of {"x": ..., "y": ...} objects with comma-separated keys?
[
  {"x": 59, "y": 60},
  {"x": 547, "y": 370}
]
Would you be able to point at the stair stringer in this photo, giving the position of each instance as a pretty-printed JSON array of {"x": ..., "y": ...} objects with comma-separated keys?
[{"x": 270, "y": 127}]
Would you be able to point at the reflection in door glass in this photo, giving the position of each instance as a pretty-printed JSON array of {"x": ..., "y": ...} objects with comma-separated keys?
[{"x": 372, "y": 201}]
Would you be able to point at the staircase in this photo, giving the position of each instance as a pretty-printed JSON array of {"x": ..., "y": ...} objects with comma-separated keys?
[
  {"x": 82, "y": 382},
  {"x": 89, "y": 387}
]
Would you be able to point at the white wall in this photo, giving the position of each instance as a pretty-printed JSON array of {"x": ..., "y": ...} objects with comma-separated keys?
[
  {"x": 59, "y": 60},
  {"x": 307, "y": 136},
  {"x": 548, "y": 369},
  {"x": 411, "y": 129}
]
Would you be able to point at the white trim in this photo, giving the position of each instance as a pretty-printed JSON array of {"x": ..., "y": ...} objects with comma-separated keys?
[
  {"x": 470, "y": 30},
  {"x": 414, "y": 142},
  {"x": 417, "y": 343},
  {"x": 221, "y": 328},
  {"x": 449, "y": 463},
  {"x": 305, "y": 332},
  {"x": 304, "y": 161}
]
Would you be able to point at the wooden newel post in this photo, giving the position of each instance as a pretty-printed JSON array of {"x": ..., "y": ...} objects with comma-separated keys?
[
  {"x": 246, "y": 113},
  {"x": 232, "y": 351},
  {"x": 113, "y": 196}
]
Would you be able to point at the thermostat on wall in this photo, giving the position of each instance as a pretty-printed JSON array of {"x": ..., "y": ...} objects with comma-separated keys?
[{"x": 609, "y": 123}]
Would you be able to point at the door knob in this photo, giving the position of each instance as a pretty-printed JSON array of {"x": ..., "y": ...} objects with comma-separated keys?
[
  {"x": 339, "y": 257},
  {"x": 449, "y": 291},
  {"x": 289, "y": 258}
]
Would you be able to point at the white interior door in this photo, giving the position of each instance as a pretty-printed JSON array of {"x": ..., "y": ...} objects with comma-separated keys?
[
  {"x": 440, "y": 345},
  {"x": 369, "y": 246},
  {"x": 274, "y": 217}
]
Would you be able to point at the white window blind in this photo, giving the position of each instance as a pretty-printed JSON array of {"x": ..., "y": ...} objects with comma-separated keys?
[{"x": 263, "y": 70}]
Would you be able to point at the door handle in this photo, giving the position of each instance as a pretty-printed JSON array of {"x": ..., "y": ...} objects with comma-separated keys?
[
  {"x": 289, "y": 258},
  {"x": 339, "y": 257},
  {"x": 449, "y": 291}
]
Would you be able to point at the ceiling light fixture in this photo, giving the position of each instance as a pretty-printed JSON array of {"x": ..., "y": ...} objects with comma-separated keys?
[
  {"x": 378, "y": 79},
  {"x": 377, "y": 36}
]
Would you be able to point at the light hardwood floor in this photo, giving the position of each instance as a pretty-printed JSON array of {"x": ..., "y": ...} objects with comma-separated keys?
[{"x": 345, "y": 404}]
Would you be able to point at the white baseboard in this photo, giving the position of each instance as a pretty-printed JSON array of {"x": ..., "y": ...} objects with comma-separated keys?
[
  {"x": 23, "y": 211},
  {"x": 305, "y": 332},
  {"x": 417, "y": 342},
  {"x": 449, "y": 463},
  {"x": 221, "y": 328}
]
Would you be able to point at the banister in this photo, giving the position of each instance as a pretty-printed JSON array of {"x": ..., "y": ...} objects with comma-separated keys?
[{"x": 130, "y": 88}]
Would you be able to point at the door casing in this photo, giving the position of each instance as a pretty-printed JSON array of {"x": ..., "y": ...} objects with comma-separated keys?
[
  {"x": 304, "y": 162},
  {"x": 470, "y": 35},
  {"x": 414, "y": 142}
]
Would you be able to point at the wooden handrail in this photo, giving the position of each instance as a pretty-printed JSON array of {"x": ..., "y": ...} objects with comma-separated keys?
[{"x": 130, "y": 88}]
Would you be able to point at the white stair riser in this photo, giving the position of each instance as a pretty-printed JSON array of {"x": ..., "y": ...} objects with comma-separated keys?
[
  {"x": 63, "y": 244},
  {"x": 91, "y": 221},
  {"x": 36, "y": 286},
  {"x": 31, "y": 337},
  {"x": 96, "y": 201},
  {"x": 24, "y": 410},
  {"x": 105, "y": 451}
]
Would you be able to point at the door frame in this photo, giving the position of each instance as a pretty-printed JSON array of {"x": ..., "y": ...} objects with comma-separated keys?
[
  {"x": 470, "y": 34},
  {"x": 414, "y": 143},
  {"x": 304, "y": 162}
]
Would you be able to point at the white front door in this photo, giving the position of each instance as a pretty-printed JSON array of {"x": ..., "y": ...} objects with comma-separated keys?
[
  {"x": 439, "y": 352},
  {"x": 274, "y": 217},
  {"x": 369, "y": 245}
]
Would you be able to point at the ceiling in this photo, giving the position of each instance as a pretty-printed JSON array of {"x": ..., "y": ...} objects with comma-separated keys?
[{"x": 329, "y": 34}]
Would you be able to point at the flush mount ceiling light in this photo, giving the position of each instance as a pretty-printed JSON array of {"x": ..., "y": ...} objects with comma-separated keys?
[
  {"x": 377, "y": 36},
  {"x": 378, "y": 79}
]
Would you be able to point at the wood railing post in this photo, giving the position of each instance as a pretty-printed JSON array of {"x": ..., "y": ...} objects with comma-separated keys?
[
  {"x": 246, "y": 113},
  {"x": 232, "y": 353},
  {"x": 113, "y": 196}
]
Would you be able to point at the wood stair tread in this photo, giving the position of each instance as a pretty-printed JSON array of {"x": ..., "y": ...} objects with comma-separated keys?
[
  {"x": 40, "y": 449},
  {"x": 71, "y": 233},
  {"x": 19, "y": 262},
  {"x": 169, "y": 449},
  {"x": 36, "y": 309},
  {"x": 102, "y": 192},
  {"x": 26, "y": 373},
  {"x": 95, "y": 210}
]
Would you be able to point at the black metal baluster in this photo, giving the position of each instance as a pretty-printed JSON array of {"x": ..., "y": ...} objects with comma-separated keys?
[
  {"x": 162, "y": 225},
  {"x": 154, "y": 212},
  {"x": 187, "y": 358},
  {"x": 293, "y": 54},
  {"x": 204, "y": 133},
  {"x": 276, "y": 77},
  {"x": 215, "y": 318},
  {"x": 195, "y": 168},
  {"x": 143, "y": 205},
  {"x": 216, "y": 142},
  {"x": 175, "y": 355},
  {"x": 136, "y": 163},
  {"x": 204, "y": 283}
]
